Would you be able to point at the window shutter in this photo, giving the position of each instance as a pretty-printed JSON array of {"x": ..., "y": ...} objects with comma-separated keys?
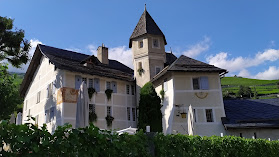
[
  {"x": 114, "y": 86},
  {"x": 204, "y": 82},
  {"x": 97, "y": 84},
  {"x": 52, "y": 111},
  {"x": 78, "y": 81}
]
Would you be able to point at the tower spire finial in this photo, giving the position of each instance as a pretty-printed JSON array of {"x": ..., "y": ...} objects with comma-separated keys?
[{"x": 145, "y": 7}]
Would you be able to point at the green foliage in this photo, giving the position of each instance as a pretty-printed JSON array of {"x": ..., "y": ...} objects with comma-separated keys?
[
  {"x": 91, "y": 91},
  {"x": 28, "y": 140},
  {"x": 236, "y": 81},
  {"x": 263, "y": 87},
  {"x": 149, "y": 109},
  {"x": 140, "y": 71},
  {"x": 108, "y": 93},
  {"x": 196, "y": 146},
  {"x": 244, "y": 92},
  {"x": 109, "y": 120},
  {"x": 93, "y": 117},
  {"x": 162, "y": 93},
  {"x": 9, "y": 94},
  {"x": 13, "y": 47}
]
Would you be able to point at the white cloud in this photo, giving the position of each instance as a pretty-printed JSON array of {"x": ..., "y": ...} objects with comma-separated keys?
[
  {"x": 93, "y": 49},
  {"x": 33, "y": 43},
  {"x": 198, "y": 48},
  {"x": 244, "y": 73},
  {"x": 272, "y": 73},
  {"x": 122, "y": 54},
  {"x": 236, "y": 64}
]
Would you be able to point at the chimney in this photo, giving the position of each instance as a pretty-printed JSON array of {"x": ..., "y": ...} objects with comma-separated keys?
[{"x": 102, "y": 54}]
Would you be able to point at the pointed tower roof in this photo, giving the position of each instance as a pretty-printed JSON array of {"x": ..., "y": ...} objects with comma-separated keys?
[{"x": 146, "y": 25}]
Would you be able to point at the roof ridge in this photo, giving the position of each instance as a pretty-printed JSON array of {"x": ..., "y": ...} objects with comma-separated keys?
[{"x": 64, "y": 50}]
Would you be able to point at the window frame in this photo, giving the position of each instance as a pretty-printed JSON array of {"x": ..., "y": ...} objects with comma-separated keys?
[
  {"x": 211, "y": 116},
  {"x": 84, "y": 78},
  {"x": 158, "y": 43},
  {"x": 140, "y": 44},
  {"x": 200, "y": 85},
  {"x": 129, "y": 113},
  {"x": 157, "y": 67},
  {"x": 134, "y": 114},
  {"x": 108, "y": 85},
  {"x": 127, "y": 89},
  {"x": 90, "y": 83},
  {"x": 38, "y": 97},
  {"x": 109, "y": 111}
]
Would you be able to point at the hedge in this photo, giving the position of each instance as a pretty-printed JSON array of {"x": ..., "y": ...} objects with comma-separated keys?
[
  {"x": 214, "y": 146},
  {"x": 29, "y": 140}
]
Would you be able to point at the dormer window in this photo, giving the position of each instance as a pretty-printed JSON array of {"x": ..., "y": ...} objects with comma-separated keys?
[
  {"x": 155, "y": 43},
  {"x": 141, "y": 44}
]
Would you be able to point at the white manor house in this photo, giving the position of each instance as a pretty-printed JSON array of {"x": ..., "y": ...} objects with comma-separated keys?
[{"x": 51, "y": 83}]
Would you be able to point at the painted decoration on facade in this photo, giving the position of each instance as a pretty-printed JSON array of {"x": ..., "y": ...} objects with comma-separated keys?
[
  {"x": 201, "y": 95},
  {"x": 66, "y": 94}
]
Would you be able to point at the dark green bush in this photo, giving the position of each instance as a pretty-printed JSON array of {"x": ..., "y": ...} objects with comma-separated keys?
[
  {"x": 28, "y": 140},
  {"x": 215, "y": 146}
]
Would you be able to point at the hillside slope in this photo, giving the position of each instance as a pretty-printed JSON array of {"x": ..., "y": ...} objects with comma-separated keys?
[{"x": 263, "y": 87}]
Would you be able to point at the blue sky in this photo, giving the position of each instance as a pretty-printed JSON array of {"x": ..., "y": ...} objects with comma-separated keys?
[{"x": 240, "y": 36}]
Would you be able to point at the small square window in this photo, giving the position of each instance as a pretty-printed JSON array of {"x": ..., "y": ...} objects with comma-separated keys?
[
  {"x": 140, "y": 44},
  {"x": 209, "y": 115},
  {"x": 84, "y": 80},
  {"x": 155, "y": 43},
  {"x": 90, "y": 85},
  {"x": 157, "y": 70}
]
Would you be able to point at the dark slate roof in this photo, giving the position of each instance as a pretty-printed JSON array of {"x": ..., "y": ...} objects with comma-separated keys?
[
  {"x": 262, "y": 113},
  {"x": 72, "y": 61},
  {"x": 146, "y": 25},
  {"x": 187, "y": 64},
  {"x": 170, "y": 58}
]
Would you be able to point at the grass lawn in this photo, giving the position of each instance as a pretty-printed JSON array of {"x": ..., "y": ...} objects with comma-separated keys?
[{"x": 263, "y": 87}]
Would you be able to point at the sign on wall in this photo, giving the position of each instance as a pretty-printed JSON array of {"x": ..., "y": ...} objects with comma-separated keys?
[{"x": 66, "y": 94}]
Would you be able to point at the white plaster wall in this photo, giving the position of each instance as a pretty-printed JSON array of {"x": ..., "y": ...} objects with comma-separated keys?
[
  {"x": 44, "y": 75},
  {"x": 119, "y": 103},
  {"x": 167, "y": 108},
  {"x": 181, "y": 95},
  {"x": 184, "y": 95}
]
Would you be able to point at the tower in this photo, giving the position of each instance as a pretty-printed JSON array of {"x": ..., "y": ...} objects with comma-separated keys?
[{"x": 148, "y": 46}]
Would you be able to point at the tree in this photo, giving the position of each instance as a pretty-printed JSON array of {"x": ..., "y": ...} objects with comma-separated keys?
[
  {"x": 13, "y": 47},
  {"x": 9, "y": 93},
  {"x": 150, "y": 109},
  {"x": 244, "y": 91}
]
